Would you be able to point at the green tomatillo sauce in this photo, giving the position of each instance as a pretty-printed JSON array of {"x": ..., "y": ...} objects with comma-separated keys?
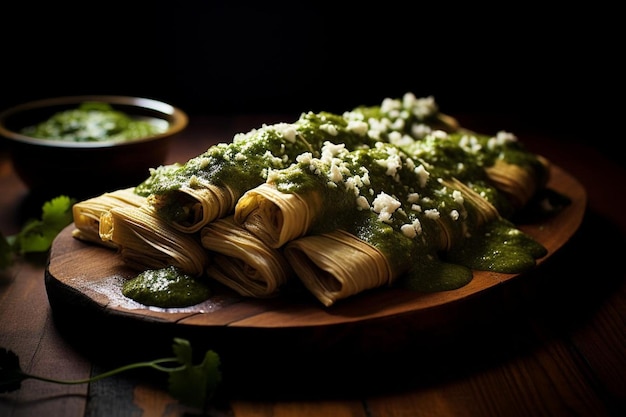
[
  {"x": 436, "y": 235},
  {"x": 93, "y": 122},
  {"x": 419, "y": 195},
  {"x": 167, "y": 287}
]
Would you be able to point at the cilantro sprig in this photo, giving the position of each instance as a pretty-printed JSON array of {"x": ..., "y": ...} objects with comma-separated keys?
[
  {"x": 193, "y": 385},
  {"x": 36, "y": 235}
]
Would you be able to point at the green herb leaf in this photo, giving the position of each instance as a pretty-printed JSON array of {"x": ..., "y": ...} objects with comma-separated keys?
[
  {"x": 37, "y": 235},
  {"x": 194, "y": 384},
  {"x": 11, "y": 375}
]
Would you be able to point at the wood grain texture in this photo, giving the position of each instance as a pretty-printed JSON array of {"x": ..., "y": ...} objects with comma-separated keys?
[
  {"x": 83, "y": 283},
  {"x": 40, "y": 349}
]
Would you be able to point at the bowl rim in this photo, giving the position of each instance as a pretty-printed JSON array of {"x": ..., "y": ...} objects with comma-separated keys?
[{"x": 177, "y": 119}]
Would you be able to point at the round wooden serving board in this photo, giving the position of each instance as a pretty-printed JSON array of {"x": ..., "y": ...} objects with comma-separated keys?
[{"x": 83, "y": 282}]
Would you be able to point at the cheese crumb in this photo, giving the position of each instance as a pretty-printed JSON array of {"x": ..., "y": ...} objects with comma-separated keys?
[
  {"x": 385, "y": 205},
  {"x": 357, "y": 126},
  {"x": 422, "y": 175},
  {"x": 362, "y": 203},
  {"x": 329, "y": 128}
]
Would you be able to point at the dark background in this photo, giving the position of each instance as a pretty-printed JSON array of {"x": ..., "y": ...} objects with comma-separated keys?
[{"x": 554, "y": 70}]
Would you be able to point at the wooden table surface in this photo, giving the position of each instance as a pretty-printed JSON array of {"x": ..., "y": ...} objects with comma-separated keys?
[{"x": 552, "y": 343}]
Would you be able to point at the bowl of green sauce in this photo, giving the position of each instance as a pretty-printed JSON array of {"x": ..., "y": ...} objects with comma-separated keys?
[{"x": 83, "y": 146}]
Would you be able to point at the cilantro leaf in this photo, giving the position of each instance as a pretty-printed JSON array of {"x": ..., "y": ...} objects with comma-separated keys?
[
  {"x": 57, "y": 213},
  {"x": 11, "y": 375},
  {"x": 37, "y": 234},
  {"x": 194, "y": 384}
]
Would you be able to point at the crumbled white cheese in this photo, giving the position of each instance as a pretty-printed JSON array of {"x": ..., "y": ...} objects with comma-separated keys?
[
  {"x": 304, "y": 158},
  {"x": 194, "y": 181},
  {"x": 420, "y": 130},
  {"x": 358, "y": 127},
  {"x": 399, "y": 139},
  {"x": 377, "y": 127},
  {"x": 457, "y": 197},
  {"x": 287, "y": 130},
  {"x": 329, "y": 128},
  {"x": 412, "y": 230},
  {"x": 330, "y": 150},
  {"x": 390, "y": 104},
  {"x": 335, "y": 173},
  {"x": 421, "y": 107},
  {"x": 392, "y": 164},
  {"x": 413, "y": 198},
  {"x": 470, "y": 144},
  {"x": 408, "y": 231},
  {"x": 439, "y": 134},
  {"x": 385, "y": 204},
  {"x": 204, "y": 162},
  {"x": 422, "y": 175},
  {"x": 272, "y": 175},
  {"x": 397, "y": 124},
  {"x": 417, "y": 225},
  {"x": 362, "y": 203},
  {"x": 271, "y": 159},
  {"x": 501, "y": 138},
  {"x": 374, "y": 134}
]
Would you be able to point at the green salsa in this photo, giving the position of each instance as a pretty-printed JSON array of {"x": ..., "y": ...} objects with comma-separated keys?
[
  {"x": 94, "y": 122},
  {"x": 436, "y": 235},
  {"x": 166, "y": 287}
]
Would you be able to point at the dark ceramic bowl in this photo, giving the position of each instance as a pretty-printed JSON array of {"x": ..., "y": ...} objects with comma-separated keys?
[{"x": 85, "y": 169}]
